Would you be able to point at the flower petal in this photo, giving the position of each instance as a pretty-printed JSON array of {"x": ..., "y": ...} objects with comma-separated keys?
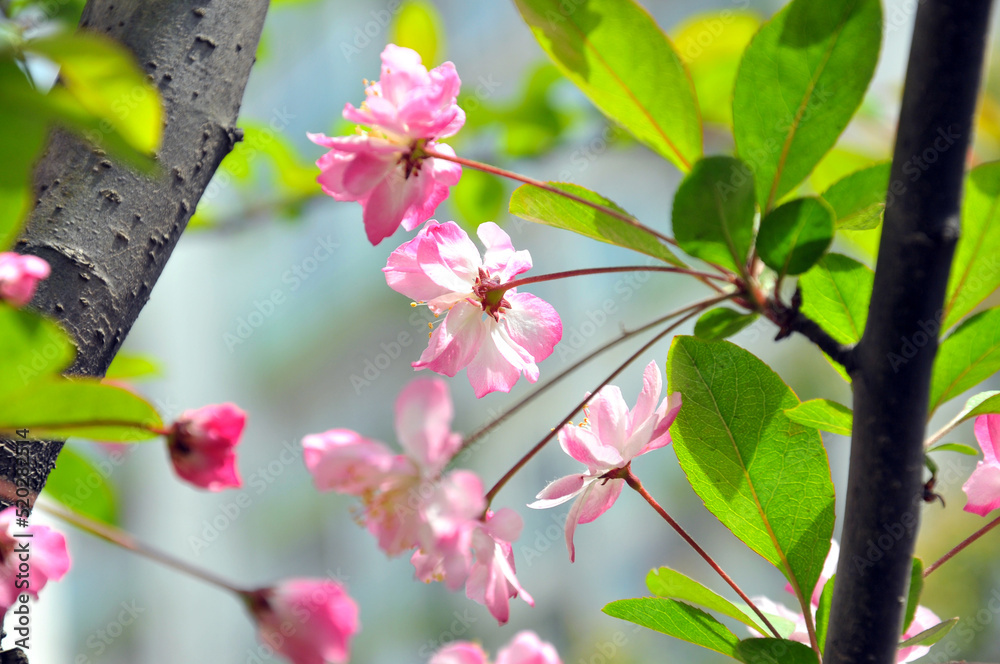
[
  {"x": 559, "y": 491},
  {"x": 987, "y": 430},
  {"x": 423, "y": 423},
  {"x": 532, "y": 324},
  {"x": 455, "y": 342},
  {"x": 983, "y": 489},
  {"x": 583, "y": 445}
]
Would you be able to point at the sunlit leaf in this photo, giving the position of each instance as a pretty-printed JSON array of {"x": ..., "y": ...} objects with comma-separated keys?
[
  {"x": 967, "y": 357},
  {"x": 913, "y": 594},
  {"x": 22, "y": 134},
  {"x": 676, "y": 619},
  {"x": 824, "y": 415},
  {"x": 130, "y": 366},
  {"x": 795, "y": 235},
  {"x": 81, "y": 485},
  {"x": 799, "y": 83},
  {"x": 823, "y": 612},
  {"x": 930, "y": 636},
  {"x": 30, "y": 346},
  {"x": 665, "y": 582},
  {"x": 617, "y": 55},
  {"x": 775, "y": 651},
  {"x": 960, "y": 448},
  {"x": 858, "y": 200},
  {"x": 721, "y": 323},
  {"x": 835, "y": 294},
  {"x": 478, "y": 197},
  {"x": 417, "y": 25}
]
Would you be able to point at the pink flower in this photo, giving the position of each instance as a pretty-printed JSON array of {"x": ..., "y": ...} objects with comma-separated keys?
[
  {"x": 610, "y": 438},
  {"x": 491, "y": 579},
  {"x": 201, "y": 444},
  {"x": 49, "y": 558},
  {"x": 384, "y": 167},
  {"x": 451, "y": 515},
  {"x": 983, "y": 486},
  {"x": 309, "y": 621},
  {"x": 524, "y": 648},
  {"x": 19, "y": 276},
  {"x": 497, "y": 334},
  {"x": 346, "y": 462}
]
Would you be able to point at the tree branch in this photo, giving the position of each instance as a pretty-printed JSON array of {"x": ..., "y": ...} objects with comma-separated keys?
[
  {"x": 107, "y": 231},
  {"x": 890, "y": 403}
]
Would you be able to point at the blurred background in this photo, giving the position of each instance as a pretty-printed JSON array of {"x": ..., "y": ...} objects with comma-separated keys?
[{"x": 274, "y": 300}]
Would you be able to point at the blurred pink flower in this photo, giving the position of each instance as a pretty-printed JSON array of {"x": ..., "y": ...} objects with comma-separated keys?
[
  {"x": 309, "y": 621},
  {"x": 496, "y": 334},
  {"x": 524, "y": 648},
  {"x": 201, "y": 443},
  {"x": 983, "y": 486},
  {"x": 346, "y": 462},
  {"x": 451, "y": 515},
  {"x": 383, "y": 167},
  {"x": 19, "y": 276},
  {"x": 46, "y": 554},
  {"x": 608, "y": 440},
  {"x": 492, "y": 581}
]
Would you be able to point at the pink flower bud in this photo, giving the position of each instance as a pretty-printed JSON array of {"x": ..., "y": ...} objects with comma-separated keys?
[
  {"x": 201, "y": 446},
  {"x": 19, "y": 276}
]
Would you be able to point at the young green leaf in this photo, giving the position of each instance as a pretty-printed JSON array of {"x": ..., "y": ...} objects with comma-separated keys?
[
  {"x": 711, "y": 45},
  {"x": 56, "y": 407},
  {"x": 858, "y": 200},
  {"x": 77, "y": 483},
  {"x": 765, "y": 477},
  {"x": 418, "y": 26},
  {"x": 823, "y": 613},
  {"x": 30, "y": 346},
  {"x": 929, "y": 637},
  {"x": 913, "y": 594},
  {"x": 478, "y": 197},
  {"x": 617, "y": 55},
  {"x": 795, "y": 235},
  {"x": 130, "y": 366},
  {"x": 969, "y": 355},
  {"x": 676, "y": 619},
  {"x": 775, "y": 651},
  {"x": 800, "y": 81},
  {"x": 960, "y": 448},
  {"x": 714, "y": 211},
  {"x": 824, "y": 415},
  {"x": 721, "y": 323},
  {"x": 103, "y": 77},
  {"x": 545, "y": 207},
  {"x": 984, "y": 403},
  {"x": 835, "y": 294},
  {"x": 975, "y": 271},
  {"x": 665, "y": 582}
]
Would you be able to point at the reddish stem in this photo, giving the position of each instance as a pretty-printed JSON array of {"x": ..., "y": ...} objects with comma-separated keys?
[
  {"x": 634, "y": 482},
  {"x": 964, "y": 543},
  {"x": 605, "y": 270}
]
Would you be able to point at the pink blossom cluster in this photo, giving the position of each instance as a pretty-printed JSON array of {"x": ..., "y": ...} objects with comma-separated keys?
[
  {"x": 923, "y": 618},
  {"x": 19, "y": 277},
  {"x": 383, "y": 167},
  {"x": 492, "y": 331},
  {"x": 410, "y": 505},
  {"x": 610, "y": 437},
  {"x": 309, "y": 621},
  {"x": 48, "y": 558},
  {"x": 524, "y": 648}
]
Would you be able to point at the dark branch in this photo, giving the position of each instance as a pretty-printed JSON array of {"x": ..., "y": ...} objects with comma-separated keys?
[
  {"x": 791, "y": 319},
  {"x": 891, "y": 397},
  {"x": 106, "y": 231}
]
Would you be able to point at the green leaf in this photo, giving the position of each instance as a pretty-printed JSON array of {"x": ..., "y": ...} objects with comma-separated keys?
[
  {"x": 665, "y": 582},
  {"x": 22, "y": 135},
  {"x": 969, "y": 355},
  {"x": 858, "y": 200},
  {"x": 765, "y": 477},
  {"x": 711, "y": 45},
  {"x": 929, "y": 637},
  {"x": 913, "y": 594},
  {"x": 418, "y": 26},
  {"x": 800, "y": 81},
  {"x": 984, "y": 403},
  {"x": 617, "y": 55},
  {"x": 824, "y": 415},
  {"x": 975, "y": 271},
  {"x": 835, "y": 294},
  {"x": 82, "y": 486},
  {"x": 676, "y": 619},
  {"x": 795, "y": 235},
  {"x": 967, "y": 450},
  {"x": 57, "y": 407},
  {"x": 721, "y": 323},
  {"x": 823, "y": 612},
  {"x": 295, "y": 175},
  {"x": 545, "y": 207},
  {"x": 130, "y": 366},
  {"x": 478, "y": 197},
  {"x": 30, "y": 346},
  {"x": 775, "y": 651},
  {"x": 103, "y": 78},
  {"x": 714, "y": 211}
]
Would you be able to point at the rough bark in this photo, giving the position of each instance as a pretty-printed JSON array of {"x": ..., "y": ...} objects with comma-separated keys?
[
  {"x": 920, "y": 231},
  {"x": 106, "y": 230}
]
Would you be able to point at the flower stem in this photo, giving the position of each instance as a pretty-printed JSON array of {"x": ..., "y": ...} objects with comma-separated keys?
[
  {"x": 605, "y": 270},
  {"x": 695, "y": 309},
  {"x": 489, "y": 426},
  {"x": 964, "y": 543},
  {"x": 634, "y": 482},
  {"x": 943, "y": 431},
  {"x": 126, "y": 541}
]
